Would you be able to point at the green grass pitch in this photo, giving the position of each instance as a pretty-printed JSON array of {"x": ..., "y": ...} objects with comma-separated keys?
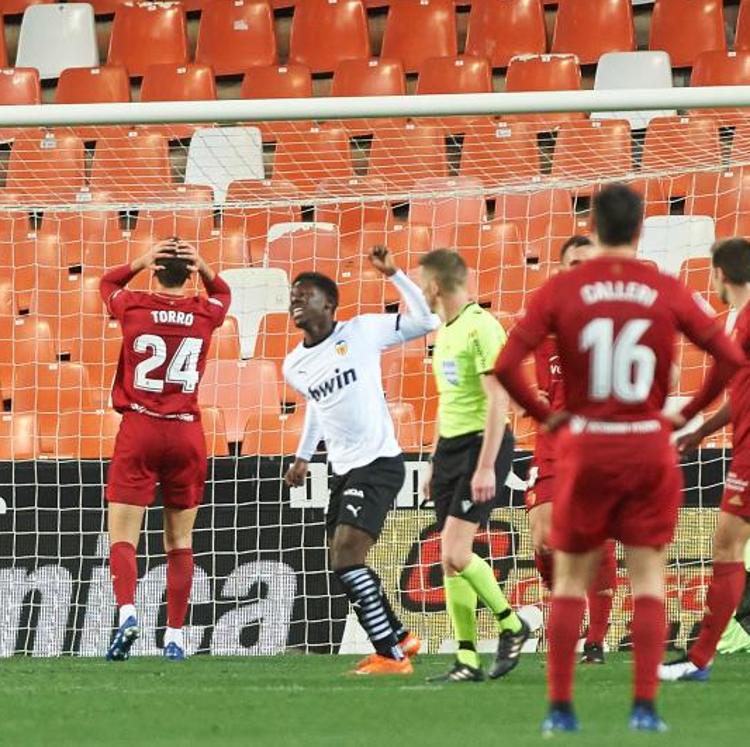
[{"x": 307, "y": 700}]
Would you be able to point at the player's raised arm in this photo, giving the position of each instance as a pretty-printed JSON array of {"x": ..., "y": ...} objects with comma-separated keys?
[{"x": 419, "y": 319}]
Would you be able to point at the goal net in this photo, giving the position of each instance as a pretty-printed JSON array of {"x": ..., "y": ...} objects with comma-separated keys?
[{"x": 264, "y": 200}]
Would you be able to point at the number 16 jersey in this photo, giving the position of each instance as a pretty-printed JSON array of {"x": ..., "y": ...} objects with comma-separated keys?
[{"x": 165, "y": 342}]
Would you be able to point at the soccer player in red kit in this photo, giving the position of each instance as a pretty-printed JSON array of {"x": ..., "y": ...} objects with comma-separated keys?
[
  {"x": 731, "y": 278},
  {"x": 615, "y": 320},
  {"x": 541, "y": 489},
  {"x": 165, "y": 340}
]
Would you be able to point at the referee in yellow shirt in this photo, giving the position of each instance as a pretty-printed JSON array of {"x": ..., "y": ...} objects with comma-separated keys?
[{"x": 470, "y": 462}]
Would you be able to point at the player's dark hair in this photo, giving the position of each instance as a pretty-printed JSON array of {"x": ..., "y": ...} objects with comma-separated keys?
[
  {"x": 174, "y": 271},
  {"x": 322, "y": 283},
  {"x": 574, "y": 241},
  {"x": 448, "y": 266},
  {"x": 617, "y": 215},
  {"x": 733, "y": 257}
]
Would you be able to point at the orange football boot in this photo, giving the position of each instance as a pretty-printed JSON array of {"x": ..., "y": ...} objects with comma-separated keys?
[
  {"x": 375, "y": 664},
  {"x": 411, "y": 645}
]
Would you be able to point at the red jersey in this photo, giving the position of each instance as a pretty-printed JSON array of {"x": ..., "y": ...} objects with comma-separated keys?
[
  {"x": 550, "y": 382},
  {"x": 165, "y": 341},
  {"x": 615, "y": 321},
  {"x": 739, "y": 391}
]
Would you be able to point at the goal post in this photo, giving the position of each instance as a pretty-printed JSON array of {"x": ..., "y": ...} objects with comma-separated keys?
[{"x": 265, "y": 190}]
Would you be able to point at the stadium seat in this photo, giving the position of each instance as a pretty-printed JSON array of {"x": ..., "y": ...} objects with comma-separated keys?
[
  {"x": 272, "y": 434},
  {"x": 148, "y": 34},
  {"x": 592, "y": 150},
  {"x": 356, "y": 208},
  {"x": 695, "y": 273},
  {"x": 303, "y": 247},
  {"x": 236, "y": 34},
  {"x": 218, "y": 156},
  {"x": 99, "y": 349},
  {"x": 194, "y": 222},
  {"x": 449, "y": 204},
  {"x": 501, "y": 153},
  {"x": 255, "y": 293},
  {"x": 307, "y": 158},
  {"x": 50, "y": 389},
  {"x": 132, "y": 166},
  {"x": 18, "y": 437},
  {"x": 455, "y": 75},
  {"x": 80, "y": 435},
  {"x": 277, "y": 335},
  {"x": 722, "y": 68},
  {"x": 93, "y": 85},
  {"x": 226, "y": 250},
  {"x": 26, "y": 340},
  {"x": 364, "y": 291},
  {"x": 671, "y": 239},
  {"x": 558, "y": 72},
  {"x": 225, "y": 343},
  {"x": 171, "y": 82},
  {"x": 742, "y": 31},
  {"x": 46, "y": 168},
  {"x": 500, "y": 31},
  {"x": 240, "y": 389},
  {"x": 55, "y": 37},
  {"x": 545, "y": 219},
  {"x": 685, "y": 28},
  {"x": 407, "y": 242},
  {"x": 415, "y": 32},
  {"x": 681, "y": 144},
  {"x": 325, "y": 32},
  {"x": 591, "y": 28},
  {"x": 19, "y": 85},
  {"x": 368, "y": 77},
  {"x": 626, "y": 70},
  {"x": 400, "y": 155},
  {"x": 215, "y": 432},
  {"x": 723, "y": 196}
]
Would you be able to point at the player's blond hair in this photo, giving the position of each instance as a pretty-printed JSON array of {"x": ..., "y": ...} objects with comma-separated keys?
[{"x": 448, "y": 268}]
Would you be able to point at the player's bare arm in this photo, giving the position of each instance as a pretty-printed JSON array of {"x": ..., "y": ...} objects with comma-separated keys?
[
  {"x": 691, "y": 441},
  {"x": 483, "y": 483}
]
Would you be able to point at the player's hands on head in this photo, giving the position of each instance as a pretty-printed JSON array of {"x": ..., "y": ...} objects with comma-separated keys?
[
  {"x": 689, "y": 441},
  {"x": 483, "y": 485},
  {"x": 296, "y": 474},
  {"x": 148, "y": 260},
  {"x": 382, "y": 260},
  {"x": 556, "y": 420}
]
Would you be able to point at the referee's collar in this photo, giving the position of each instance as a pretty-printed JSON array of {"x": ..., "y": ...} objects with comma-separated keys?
[{"x": 460, "y": 313}]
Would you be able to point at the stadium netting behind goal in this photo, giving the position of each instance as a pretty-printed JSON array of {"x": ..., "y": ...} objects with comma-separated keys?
[{"x": 263, "y": 201}]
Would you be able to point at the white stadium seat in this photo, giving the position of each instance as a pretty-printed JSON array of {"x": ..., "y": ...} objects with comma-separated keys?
[{"x": 668, "y": 240}]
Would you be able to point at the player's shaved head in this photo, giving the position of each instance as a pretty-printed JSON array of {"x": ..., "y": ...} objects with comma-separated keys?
[
  {"x": 732, "y": 257},
  {"x": 447, "y": 267},
  {"x": 173, "y": 271},
  {"x": 617, "y": 215}
]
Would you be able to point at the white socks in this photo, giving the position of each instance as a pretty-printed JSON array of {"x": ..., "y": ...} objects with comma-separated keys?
[
  {"x": 126, "y": 611},
  {"x": 173, "y": 635}
]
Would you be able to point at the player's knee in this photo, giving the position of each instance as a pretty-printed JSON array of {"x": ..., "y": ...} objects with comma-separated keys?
[{"x": 454, "y": 561}]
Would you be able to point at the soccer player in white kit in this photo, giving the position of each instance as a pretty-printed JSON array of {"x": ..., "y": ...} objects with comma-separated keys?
[{"x": 337, "y": 369}]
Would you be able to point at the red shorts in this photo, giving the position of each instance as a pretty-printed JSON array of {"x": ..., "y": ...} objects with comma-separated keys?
[
  {"x": 624, "y": 486},
  {"x": 736, "y": 498},
  {"x": 541, "y": 487},
  {"x": 151, "y": 450}
]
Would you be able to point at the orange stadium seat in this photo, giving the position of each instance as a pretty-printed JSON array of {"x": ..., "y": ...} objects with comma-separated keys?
[
  {"x": 544, "y": 218},
  {"x": 451, "y": 204},
  {"x": 685, "y": 28},
  {"x": 225, "y": 251},
  {"x": 407, "y": 242},
  {"x": 80, "y": 435},
  {"x": 46, "y": 167},
  {"x": 18, "y": 437},
  {"x": 591, "y": 28},
  {"x": 401, "y": 155},
  {"x": 742, "y": 31},
  {"x": 455, "y": 75},
  {"x": 720, "y": 67},
  {"x": 19, "y": 85},
  {"x": 32, "y": 282},
  {"x": 592, "y": 150},
  {"x": 681, "y": 143},
  {"x": 99, "y": 349},
  {"x": 148, "y": 34},
  {"x": 132, "y": 166},
  {"x": 176, "y": 82},
  {"x": 25, "y": 340},
  {"x": 215, "y": 432},
  {"x": 362, "y": 292},
  {"x": 50, "y": 389},
  {"x": 272, "y": 434},
  {"x": 353, "y": 215},
  {"x": 236, "y": 34},
  {"x": 308, "y": 247},
  {"x": 501, "y": 153},
  {"x": 3, "y": 45},
  {"x": 307, "y": 158},
  {"x": 225, "y": 343},
  {"x": 193, "y": 223},
  {"x": 324, "y": 32},
  {"x": 368, "y": 77},
  {"x": 501, "y": 31},
  {"x": 416, "y": 31},
  {"x": 725, "y": 197},
  {"x": 277, "y": 335},
  {"x": 695, "y": 273},
  {"x": 240, "y": 389},
  {"x": 93, "y": 85}
]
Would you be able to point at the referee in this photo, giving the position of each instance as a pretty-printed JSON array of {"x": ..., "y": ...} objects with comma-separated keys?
[{"x": 470, "y": 462}]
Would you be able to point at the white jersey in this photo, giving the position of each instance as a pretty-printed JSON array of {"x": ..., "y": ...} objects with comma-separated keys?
[{"x": 341, "y": 379}]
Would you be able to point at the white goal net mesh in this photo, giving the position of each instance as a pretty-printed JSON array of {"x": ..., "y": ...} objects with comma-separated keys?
[{"x": 262, "y": 202}]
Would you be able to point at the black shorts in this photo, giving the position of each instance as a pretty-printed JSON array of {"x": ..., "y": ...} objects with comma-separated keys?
[
  {"x": 363, "y": 497},
  {"x": 452, "y": 469}
]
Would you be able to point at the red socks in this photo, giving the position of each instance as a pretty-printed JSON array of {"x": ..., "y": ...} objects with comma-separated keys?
[
  {"x": 723, "y": 596},
  {"x": 179, "y": 584},
  {"x": 544, "y": 563},
  {"x": 124, "y": 572},
  {"x": 648, "y": 631},
  {"x": 563, "y": 629},
  {"x": 601, "y": 595}
]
